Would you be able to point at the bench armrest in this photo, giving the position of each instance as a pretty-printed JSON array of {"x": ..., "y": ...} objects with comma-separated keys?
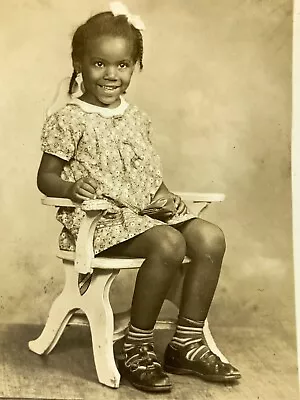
[
  {"x": 102, "y": 204},
  {"x": 195, "y": 197},
  {"x": 90, "y": 205},
  {"x": 59, "y": 202}
]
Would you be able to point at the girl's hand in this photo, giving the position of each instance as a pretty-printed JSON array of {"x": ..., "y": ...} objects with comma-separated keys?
[
  {"x": 162, "y": 209},
  {"x": 83, "y": 189},
  {"x": 180, "y": 206}
]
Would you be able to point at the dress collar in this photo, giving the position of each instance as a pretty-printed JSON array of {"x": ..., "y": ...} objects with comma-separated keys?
[{"x": 103, "y": 111}]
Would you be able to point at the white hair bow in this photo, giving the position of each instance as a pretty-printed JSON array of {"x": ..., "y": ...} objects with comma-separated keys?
[{"x": 118, "y": 8}]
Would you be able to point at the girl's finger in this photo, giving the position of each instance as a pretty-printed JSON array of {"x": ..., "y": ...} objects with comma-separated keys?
[
  {"x": 79, "y": 198},
  {"x": 85, "y": 194},
  {"x": 91, "y": 182},
  {"x": 88, "y": 188},
  {"x": 182, "y": 208},
  {"x": 177, "y": 201}
]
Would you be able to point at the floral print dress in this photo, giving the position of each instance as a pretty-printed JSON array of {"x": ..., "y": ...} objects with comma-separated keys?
[{"x": 112, "y": 146}]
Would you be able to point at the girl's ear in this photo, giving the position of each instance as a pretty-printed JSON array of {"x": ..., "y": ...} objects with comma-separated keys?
[{"x": 77, "y": 66}]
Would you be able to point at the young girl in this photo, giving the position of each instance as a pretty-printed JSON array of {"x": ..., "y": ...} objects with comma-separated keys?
[{"x": 99, "y": 147}]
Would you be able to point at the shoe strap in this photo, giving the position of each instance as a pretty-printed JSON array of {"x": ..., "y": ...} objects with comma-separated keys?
[
  {"x": 142, "y": 355},
  {"x": 207, "y": 355}
]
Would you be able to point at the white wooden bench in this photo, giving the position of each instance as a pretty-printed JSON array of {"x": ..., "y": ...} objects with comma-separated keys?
[{"x": 93, "y": 307}]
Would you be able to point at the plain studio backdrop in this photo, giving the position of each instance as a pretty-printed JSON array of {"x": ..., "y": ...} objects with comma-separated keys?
[{"x": 217, "y": 85}]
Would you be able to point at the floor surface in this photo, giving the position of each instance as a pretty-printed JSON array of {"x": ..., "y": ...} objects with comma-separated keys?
[{"x": 267, "y": 361}]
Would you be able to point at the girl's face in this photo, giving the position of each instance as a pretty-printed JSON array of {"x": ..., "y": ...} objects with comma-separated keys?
[{"x": 106, "y": 67}]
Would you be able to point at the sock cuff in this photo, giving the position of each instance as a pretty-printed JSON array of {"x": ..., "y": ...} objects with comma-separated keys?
[
  {"x": 188, "y": 329},
  {"x": 184, "y": 321},
  {"x": 133, "y": 329},
  {"x": 136, "y": 336}
]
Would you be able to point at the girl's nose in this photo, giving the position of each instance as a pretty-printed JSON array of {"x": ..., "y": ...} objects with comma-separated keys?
[{"x": 110, "y": 72}]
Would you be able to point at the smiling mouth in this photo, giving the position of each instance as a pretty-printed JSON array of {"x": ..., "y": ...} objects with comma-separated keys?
[{"x": 109, "y": 88}]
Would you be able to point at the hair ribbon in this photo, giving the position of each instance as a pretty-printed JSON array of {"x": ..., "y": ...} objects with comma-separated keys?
[{"x": 118, "y": 8}]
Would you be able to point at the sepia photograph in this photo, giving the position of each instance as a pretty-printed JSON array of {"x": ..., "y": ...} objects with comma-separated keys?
[{"x": 149, "y": 183}]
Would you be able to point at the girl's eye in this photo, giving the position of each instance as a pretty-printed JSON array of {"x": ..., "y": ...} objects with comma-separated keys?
[
  {"x": 99, "y": 64},
  {"x": 123, "y": 65}
]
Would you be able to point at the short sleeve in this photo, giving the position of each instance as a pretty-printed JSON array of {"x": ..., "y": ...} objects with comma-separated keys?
[{"x": 58, "y": 138}]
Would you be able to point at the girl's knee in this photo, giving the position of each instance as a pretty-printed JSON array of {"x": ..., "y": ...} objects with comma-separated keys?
[
  {"x": 210, "y": 239},
  {"x": 215, "y": 239},
  {"x": 169, "y": 244}
]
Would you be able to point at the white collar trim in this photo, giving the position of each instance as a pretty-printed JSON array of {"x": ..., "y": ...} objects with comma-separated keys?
[{"x": 103, "y": 111}]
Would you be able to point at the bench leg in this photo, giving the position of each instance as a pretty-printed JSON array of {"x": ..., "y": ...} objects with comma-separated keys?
[
  {"x": 212, "y": 344},
  {"x": 60, "y": 313},
  {"x": 96, "y": 306}
]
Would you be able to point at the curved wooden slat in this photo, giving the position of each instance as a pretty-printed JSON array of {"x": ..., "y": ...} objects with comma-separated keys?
[
  {"x": 58, "y": 202},
  {"x": 194, "y": 197},
  {"x": 108, "y": 262},
  {"x": 201, "y": 197}
]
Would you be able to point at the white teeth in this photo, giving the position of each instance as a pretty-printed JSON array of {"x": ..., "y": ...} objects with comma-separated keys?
[{"x": 109, "y": 88}]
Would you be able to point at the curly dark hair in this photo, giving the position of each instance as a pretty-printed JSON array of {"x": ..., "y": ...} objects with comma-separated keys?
[{"x": 106, "y": 23}]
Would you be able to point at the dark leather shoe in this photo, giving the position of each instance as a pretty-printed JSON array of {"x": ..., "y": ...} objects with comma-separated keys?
[
  {"x": 209, "y": 367},
  {"x": 142, "y": 369}
]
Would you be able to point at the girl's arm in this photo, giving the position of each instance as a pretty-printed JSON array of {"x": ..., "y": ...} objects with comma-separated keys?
[{"x": 50, "y": 183}]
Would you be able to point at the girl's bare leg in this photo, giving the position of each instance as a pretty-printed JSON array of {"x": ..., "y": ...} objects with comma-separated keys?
[
  {"x": 206, "y": 247},
  {"x": 164, "y": 248},
  {"x": 188, "y": 351}
]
